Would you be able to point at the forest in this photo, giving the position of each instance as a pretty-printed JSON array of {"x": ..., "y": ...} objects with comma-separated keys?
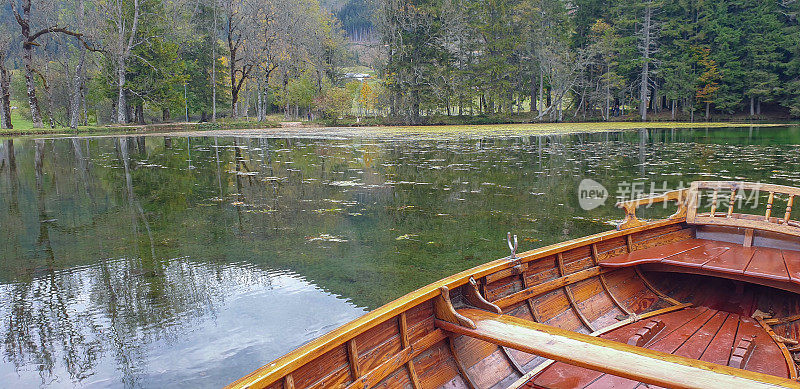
[
  {"x": 66, "y": 63},
  {"x": 597, "y": 59},
  {"x": 75, "y": 62}
]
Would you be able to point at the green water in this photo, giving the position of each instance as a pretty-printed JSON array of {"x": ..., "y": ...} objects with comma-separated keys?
[{"x": 188, "y": 262}]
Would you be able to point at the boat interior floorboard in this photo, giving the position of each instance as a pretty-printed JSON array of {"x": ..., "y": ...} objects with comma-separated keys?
[
  {"x": 710, "y": 330},
  {"x": 695, "y": 333}
]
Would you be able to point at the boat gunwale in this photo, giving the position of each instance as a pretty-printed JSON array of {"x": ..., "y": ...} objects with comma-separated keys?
[{"x": 284, "y": 365}]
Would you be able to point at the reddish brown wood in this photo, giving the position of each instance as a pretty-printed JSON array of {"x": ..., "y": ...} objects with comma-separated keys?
[
  {"x": 435, "y": 366},
  {"x": 724, "y": 259},
  {"x": 492, "y": 370},
  {"x": 767, "y": 356},
  {"x": 655, "y": 290},
  {"x": 606, "y": 356},
  {"x": 782, "y": 342},
  {"x": 394, "y": 362},
  {"x": 792, "y": 260},
  {"x": 767, "y": 263},
  {"x": 612, "y": 381},
  {"x": 651, "y": 255},
  {"x": 671, "y": 320},
  {"x": 673, "y": 338},
  {"x": 352, "y": 353},
  {"x": 741, "y": 353},
  {"x": 749, "y": 234},
  {"x": 733, "y": 261},
  {"x": 474, "y": 297},
  {"x": 413, "y": 377},
  {"x": 777, "y": 284},
  {"x": 461, "y": 368},
  {"x": 699, "y": 341},
  {"x": 646, "y": 333},
  {"x": 621, "y": 306},
  {"x": 718, "y": 350},
  {"x": 697, "y": 257},
  {"x": 288, "y": 382},
  {"x": 330, "y": 367}
]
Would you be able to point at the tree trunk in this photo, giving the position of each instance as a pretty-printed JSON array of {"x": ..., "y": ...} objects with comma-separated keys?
[
  {"x": 259, "y": 106},
  {"x": 549, "y": 96},
  {"x": 48, "y": 91},
  {"x": 673, "y": 109},
  {"x": 234, "y": 97},
  {"x": 646, "y": 36},
  {"x": 83, "y": 102},
  {"x": 533, "y": 92},
  {"x": 266, "y": 101},
  {"x": 77, "y": 92},
  {"x": 758, "y": 107},
  {"x": 139, "y": 113},
  {"x": 752, "y": 105},
  {"x": 708, "y": 110},
  {"x": 27, "y": 59},
  {"x": 121, "y": 105},
  {"x": 36, "y": 116},
  {"x": 5, "y": 96},
  {"x": 76, "y": 96},
  {"x": 541, "y": 92},
  {"x": 214, "y": 65}
]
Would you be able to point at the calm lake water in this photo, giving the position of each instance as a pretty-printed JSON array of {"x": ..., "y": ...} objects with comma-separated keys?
[{"x": 188, "y": 262}]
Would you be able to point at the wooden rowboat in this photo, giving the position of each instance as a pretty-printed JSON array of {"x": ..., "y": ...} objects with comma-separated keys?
[{"x": 704, "y": 298}]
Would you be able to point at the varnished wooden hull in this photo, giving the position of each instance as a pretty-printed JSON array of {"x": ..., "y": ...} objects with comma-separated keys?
[{"x": 701, "y": 327}]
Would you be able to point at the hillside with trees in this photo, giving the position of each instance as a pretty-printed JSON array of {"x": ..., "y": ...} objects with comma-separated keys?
[{"x": 65, "y": 63}]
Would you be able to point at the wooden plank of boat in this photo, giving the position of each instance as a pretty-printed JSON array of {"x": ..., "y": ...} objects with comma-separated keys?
[
  {"x": 732, "y": 261},
  {"x": 652, "y": 255},
  {"x": 622, "y": 323},
  {"x": 767, "y": 266},
  {"x": 767, "y": 263},
  {"x": 607, "y": 356}
]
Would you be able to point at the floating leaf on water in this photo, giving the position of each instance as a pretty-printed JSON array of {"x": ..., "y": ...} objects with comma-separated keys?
[
  {"x": 268, "y": 210},
  {"x": 326, "y": 238},
  {"x": 345, "y": 183},
  {"x": 407, "y": 237},
  {"x": 329, "y": 210}
]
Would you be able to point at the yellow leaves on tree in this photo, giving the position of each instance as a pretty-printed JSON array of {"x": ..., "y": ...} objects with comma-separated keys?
[
  {"x": 708, "y": 81},
  {"x": 365, "y": 97}
]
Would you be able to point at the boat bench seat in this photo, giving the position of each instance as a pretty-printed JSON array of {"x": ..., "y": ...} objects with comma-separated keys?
[
  {"x": 607, "y": 356},
  {"x": 778, "y": 268}
]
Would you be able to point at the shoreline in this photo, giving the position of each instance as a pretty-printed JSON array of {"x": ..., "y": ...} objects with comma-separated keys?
[{"x": 296, "y": 130}]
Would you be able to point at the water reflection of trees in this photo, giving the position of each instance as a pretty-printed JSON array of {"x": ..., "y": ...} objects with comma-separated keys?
[{"x": 64, "y": 310}]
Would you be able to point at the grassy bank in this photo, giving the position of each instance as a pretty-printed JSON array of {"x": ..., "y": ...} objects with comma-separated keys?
[
  {"x": 23, "y": 127},
  {"x": 502, "y": 130},
  {"x": 377, "y": 127}
]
